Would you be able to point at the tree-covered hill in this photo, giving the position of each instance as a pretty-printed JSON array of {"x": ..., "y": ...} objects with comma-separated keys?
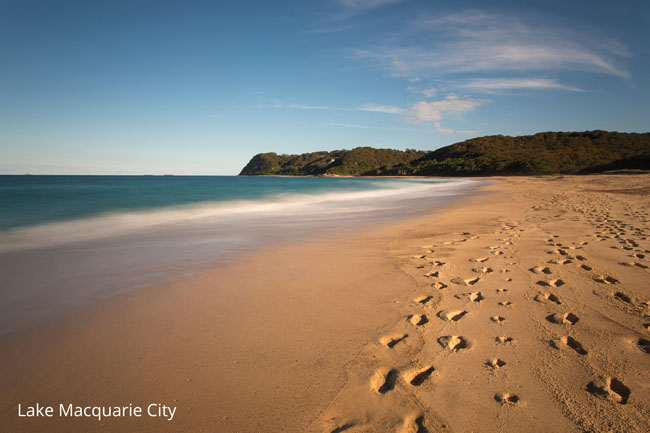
[
  {"x": 543, "y": 153},
  {"x": 356, "y": 162}
]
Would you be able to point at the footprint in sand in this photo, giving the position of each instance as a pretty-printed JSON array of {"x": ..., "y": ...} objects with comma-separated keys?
[
  {"x": 547, "y": 297},
  {"x": 413, "y": 424},
  {"x": 507, "y": 399},
  {"x": 606, "y": 279},
  {"x": 574, "y": 344},
  {"x": 342, "y": 428},
  {"x": 563, "y": 319},
  {"x": 482, "y": 259},
  {"x": 506, "y": 304},
  {"x": 383, "y": 380},
  {"x": 419, "y": 256},
  {"x": 643, "y": 345},
  {"x": 552, "y": 283},
  {"x": 497, "y": 319},
  {"x": 438, "y": 285},
  {"x": 495, "y": 363},
  {"x": 560, "y": 262},
  {"x": 418, "y": 319},
  {"x": 419, "y": 376},
  {"x": 432, "y": 274},
  {"x": 476, "y": 297},
  {"x": 501, "y": 290},
  {"x": 623, "y": 297},
  {"x": 465, "y": 281},
  {"x": 586, "y": 267},
  {"x": 391, "y": 340},
  {"x": 452, "y": 316},
  {"x": 424, "y": 299},
  {"x": 540, "y": 270},
  {"x": 453, "y": 343},
  {"x": 482, "y": 270},
  {"x": 613, "y": 389}
]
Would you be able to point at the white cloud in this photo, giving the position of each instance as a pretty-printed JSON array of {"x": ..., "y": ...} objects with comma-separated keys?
[
  {"x": 432, "y": 112},
  {"x": 430, "y": 92},
  {"x": 494, "y": 85},
  {"x": 412, "y": 89},
  {"x": 448, "y": 131},
  {"x": 421, "y": 113},
  {"x": 478, "y": 42},
  {"x": 380, "y": 109},
  {"x": 374, "y": 108},
  {"x": 359, "y": 5},
  {"x": 306, "y": 107},
  {"x": 336, "y": 29},
  {"x": 360, "y": 126}
]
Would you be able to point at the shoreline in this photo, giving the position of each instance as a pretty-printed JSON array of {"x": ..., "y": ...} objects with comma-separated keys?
[
  {"x": 290, "y": 347},
  {"x": 57, "y": 264},
  {"x": 63, "y": 338}
]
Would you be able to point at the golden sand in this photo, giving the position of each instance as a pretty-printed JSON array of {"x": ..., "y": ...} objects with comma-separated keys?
[{"x": 523, "y": 309}]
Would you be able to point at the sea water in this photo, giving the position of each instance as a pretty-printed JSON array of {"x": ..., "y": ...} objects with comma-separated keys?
[{"x": 71, "y": 239}]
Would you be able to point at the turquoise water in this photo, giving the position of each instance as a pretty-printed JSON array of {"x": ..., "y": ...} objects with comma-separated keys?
[
  {"x": 71, "y": 240},
  {"x": 33, "y": 200}
]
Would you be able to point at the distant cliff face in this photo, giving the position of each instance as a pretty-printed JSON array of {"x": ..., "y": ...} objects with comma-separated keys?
[{"x": 543, "y": 153}]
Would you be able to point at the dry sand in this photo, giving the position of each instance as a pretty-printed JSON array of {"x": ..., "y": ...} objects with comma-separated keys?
[{"x": 524, "y": 309}]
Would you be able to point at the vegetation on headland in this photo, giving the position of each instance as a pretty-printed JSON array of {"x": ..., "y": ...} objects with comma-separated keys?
[{"x": 543, "y": 153}]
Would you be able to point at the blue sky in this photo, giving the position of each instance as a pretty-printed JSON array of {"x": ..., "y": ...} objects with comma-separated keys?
[{"x": 133, "y": 87}]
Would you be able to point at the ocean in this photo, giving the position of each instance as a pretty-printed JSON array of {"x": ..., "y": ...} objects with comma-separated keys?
[{"x": 71, "y": 239}]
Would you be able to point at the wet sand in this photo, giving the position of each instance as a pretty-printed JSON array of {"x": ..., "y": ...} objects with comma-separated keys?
[{"x": 525, "y": 308}]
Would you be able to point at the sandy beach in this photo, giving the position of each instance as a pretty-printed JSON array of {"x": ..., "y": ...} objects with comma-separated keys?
[{"x": 523, "y": 308}]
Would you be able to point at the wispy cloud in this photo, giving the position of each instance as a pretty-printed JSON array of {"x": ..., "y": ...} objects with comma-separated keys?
[
  {"x": 336, "y": 29},
  {"x": 448, "y": 131},
  {"x": 438, "y": 129},
  {"x": 379, "y": 127},
  {"x": 353, "y": 6},
  {"x": 422, "y": 113},
  {"x": 429, "y": 92},
  {"x": 306, "y": 107},
  {"x": 495, "y": 85},
  {"x": 374, "y": 108},
  {"x": 474, "y": 42},
  {"x": 390, "y": 109},
  {"x": 433, "y": 112}
]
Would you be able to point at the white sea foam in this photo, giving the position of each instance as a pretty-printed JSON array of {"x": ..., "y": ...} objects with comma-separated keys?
[
  {"x": 49, "y": 268},
  {"x": 292, "y": 205}
]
